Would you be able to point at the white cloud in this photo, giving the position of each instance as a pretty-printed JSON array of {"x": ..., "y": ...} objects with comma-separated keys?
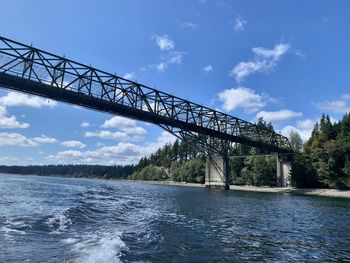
[
  {"x": 188, "y": 24},
  {"x": 19, "y": 99},
  {"x": 85, "y": 124},
  {"x": 122, "y": 153},
  {"x": 341, "y": 105},
  {"x": 44, "y": 139},
  {"x": 307, "y": 124},
  {"x": 161, "y": 66},
  {"x": 243, "y": 98},
  {"x": 207, "y": 69},
  {"x": 15, "y": 139},
  {"x": 169, "y": 56},
  {"x": 281, "y": 115},
  {"x": 239, "y": 24},
  {"x": 165, "y": 43},
  {"x": 69, "y": 154},
  {"x": 264, "y": 60},
  {"x": 124, "y": 124},
  {"x": 117, "y": 121},
  {"x": 174, "y": 57},
  {"x": 10, "y": 122},
  {"x": 118, "y": 135},
  {"x": 304, "y": 134},
  {"x": 164, "y": 138},
  {"x": 73, "y": 144},
  {"x": 304, "y": 128},
  {"x": 130, "y": 76},
  {"x": 127, "y": 130}
]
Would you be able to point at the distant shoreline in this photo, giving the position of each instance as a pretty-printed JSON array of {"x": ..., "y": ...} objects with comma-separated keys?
[{"x": 248, "y": 188}]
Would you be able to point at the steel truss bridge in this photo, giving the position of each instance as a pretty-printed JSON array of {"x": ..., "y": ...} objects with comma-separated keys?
[{"x": 31, "y": 70}]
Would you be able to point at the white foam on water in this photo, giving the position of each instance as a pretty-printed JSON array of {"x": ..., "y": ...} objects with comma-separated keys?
[
  {"x": 8, "y": 230},
  {"x": 58, "y": 221},
  {"x": 14, "y": 227},
  {"x": 100, "y": 248},
  {"x": 69, "y": 240}
]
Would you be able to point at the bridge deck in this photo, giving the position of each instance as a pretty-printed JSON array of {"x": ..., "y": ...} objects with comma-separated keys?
[{"x": 34, "y": 71}]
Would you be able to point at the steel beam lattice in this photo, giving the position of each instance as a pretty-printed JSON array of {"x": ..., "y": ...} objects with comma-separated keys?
[{"x": 31, "y": 70}]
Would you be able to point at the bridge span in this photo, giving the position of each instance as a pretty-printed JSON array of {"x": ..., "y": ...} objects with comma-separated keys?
[{"x": 219, "y": 135}]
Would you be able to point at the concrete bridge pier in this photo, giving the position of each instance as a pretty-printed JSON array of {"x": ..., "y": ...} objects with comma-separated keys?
[
  {"x": 217, "y": 173},
  {"x": 283, "y": 171}
]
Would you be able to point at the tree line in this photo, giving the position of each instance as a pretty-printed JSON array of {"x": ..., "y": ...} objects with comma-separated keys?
[
  {"x": 181, "y": 163},
  {"x": 86, "y": 171},
  {"x": 323, "y": 161}
]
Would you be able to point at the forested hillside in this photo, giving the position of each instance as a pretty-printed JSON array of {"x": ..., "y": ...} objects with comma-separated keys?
[
  {"x": 179, "y": 162},
  {"x": 88, "y": 171},
  {"x": 324, "y": 161}
]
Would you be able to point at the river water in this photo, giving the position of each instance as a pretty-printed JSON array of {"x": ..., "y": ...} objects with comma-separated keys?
[{"x": 51, "y": 219}]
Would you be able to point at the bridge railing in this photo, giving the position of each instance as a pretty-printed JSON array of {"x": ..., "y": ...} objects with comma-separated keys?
[{"x": 40, "y": 66}]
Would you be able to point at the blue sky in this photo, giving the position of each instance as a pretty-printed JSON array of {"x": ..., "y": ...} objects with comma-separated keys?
[{"x": 287, "y": 61}]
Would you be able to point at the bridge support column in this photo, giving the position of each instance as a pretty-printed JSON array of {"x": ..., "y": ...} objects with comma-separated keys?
[
  {"x": 283, "y": 171},
  {"x": 217, "y": 173}
]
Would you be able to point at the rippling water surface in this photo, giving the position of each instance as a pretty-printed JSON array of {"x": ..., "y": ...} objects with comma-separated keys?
[{"x": 46, "y": 219}]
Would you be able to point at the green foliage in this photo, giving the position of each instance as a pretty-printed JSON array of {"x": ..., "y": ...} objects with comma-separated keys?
[
  {"x": 258, "y": 171},
  {"x": 323, "y": 161},
  {"x": 87, "y": 171},
  {"x": 325, "y": 158},
  {"x": 150, "y": 172},
  {"x": 303, "y": 173}
]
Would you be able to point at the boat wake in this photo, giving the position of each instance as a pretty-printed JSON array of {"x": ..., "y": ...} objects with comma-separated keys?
[{"x": 100, "y": 247}]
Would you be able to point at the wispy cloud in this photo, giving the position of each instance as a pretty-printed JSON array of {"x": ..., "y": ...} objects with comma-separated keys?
[
  {"x": 207, "y": 69},
  {"x": 188, "y": 24},
  {"x": 264, "y": 60},
  {"x": 239, "y": 24},
  {"x": 169, "y": 56},
  {"x": 341, "y": 105},
  {"x": 165, "y": 43},
  {"x": 130, "y": 76},
  {"x": 174, "y": 57}
]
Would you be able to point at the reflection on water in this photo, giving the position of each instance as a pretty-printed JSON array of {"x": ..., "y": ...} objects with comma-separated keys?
[{"x": 45, "y": 219}]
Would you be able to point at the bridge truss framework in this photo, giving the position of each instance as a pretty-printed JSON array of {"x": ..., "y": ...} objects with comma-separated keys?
[{"x": 31, "y": 70}]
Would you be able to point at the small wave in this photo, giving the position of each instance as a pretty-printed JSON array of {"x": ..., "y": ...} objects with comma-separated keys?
[
  {"x": 70, "y": 240},
  {"x": 97, "y": 248},
  {"x": 14, "y": 226},
  {"x": 58, "y": 221}
]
